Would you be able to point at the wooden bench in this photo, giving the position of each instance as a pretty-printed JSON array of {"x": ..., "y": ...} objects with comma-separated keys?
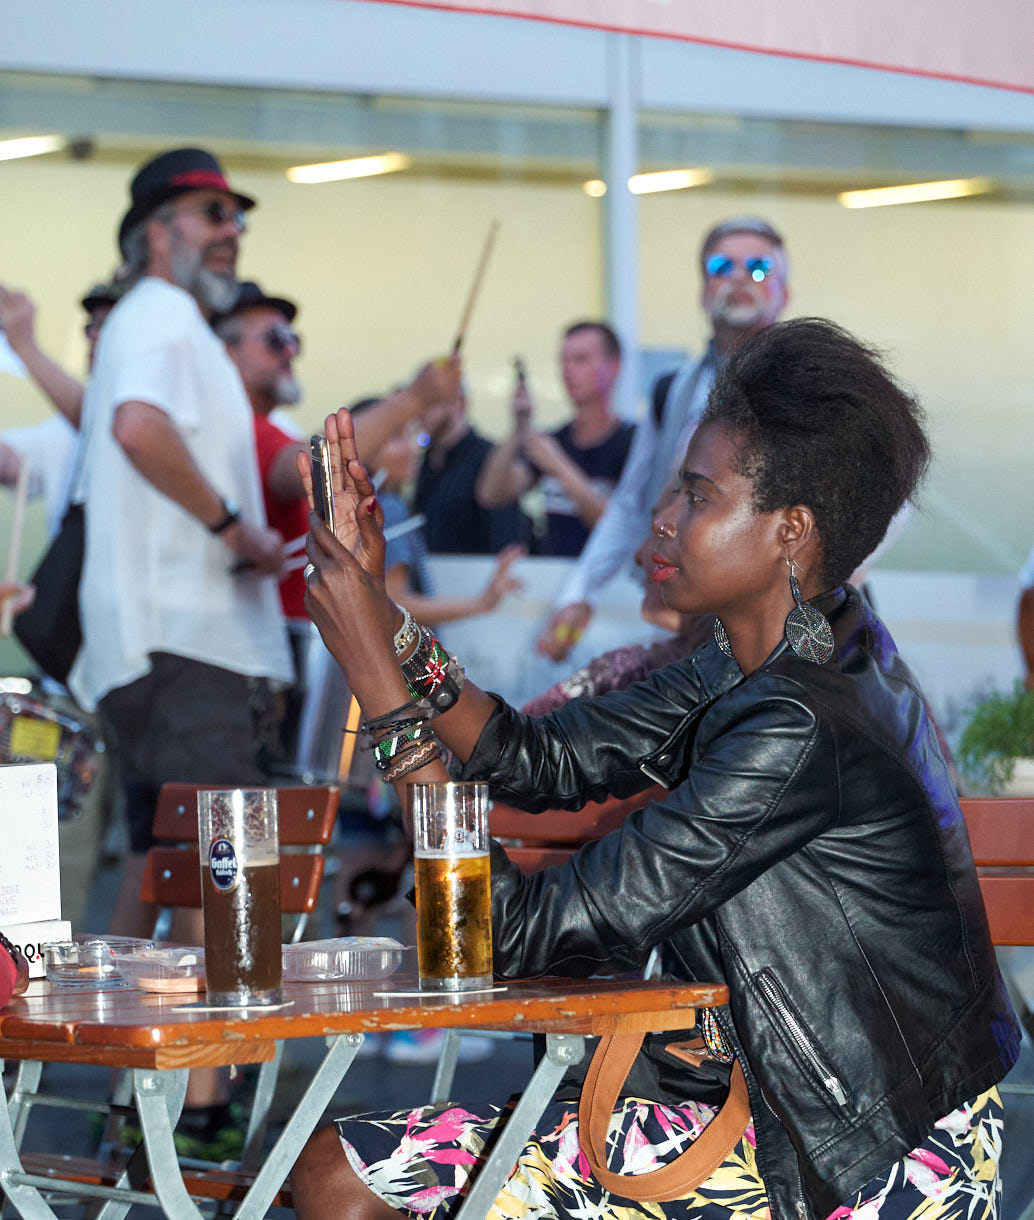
[
  {"x": 305, "y": 816},
  {"x": 534, "y": 841},
  {"x": 222, "y": 1185},
  {"x": 1001, "y": 835}
]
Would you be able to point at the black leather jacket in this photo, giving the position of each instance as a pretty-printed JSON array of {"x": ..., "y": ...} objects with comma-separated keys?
[{"x": 811, "y": 854}]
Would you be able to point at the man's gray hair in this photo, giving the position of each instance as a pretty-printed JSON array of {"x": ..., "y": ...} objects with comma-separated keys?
[
  {"x": 739, "y": 224},
  {"x": 136, "y": 249}
]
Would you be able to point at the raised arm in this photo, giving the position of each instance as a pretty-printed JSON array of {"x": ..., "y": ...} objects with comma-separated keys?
[
  {"x": 359, "y": 623},
  {"x": 438, "y": 381},
  {"x": 548, "y": 455},
  {"x": 17, "y": 319},
  {"x": 505, "y": 474}
]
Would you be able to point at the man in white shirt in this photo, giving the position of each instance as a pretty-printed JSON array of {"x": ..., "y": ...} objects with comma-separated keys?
[
  {"x": 745, "y": 289},
  {"x": 181, "y": 621}
]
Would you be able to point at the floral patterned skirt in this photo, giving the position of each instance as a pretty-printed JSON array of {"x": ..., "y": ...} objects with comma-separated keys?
[{"x": 419, "y": 1161}]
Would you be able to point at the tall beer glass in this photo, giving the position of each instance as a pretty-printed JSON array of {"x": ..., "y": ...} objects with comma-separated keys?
[
  {"x": 240, "y": 889},
  {"x": 453, "y": 889}
]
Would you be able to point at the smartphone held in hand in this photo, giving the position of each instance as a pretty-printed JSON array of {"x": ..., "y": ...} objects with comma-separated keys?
[{"x": 322, "y": 488}]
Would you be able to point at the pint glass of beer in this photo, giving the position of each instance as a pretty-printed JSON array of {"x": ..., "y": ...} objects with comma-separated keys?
[
  {"x": 453, "y": 890},
  {"x": 240, "y": 889}
]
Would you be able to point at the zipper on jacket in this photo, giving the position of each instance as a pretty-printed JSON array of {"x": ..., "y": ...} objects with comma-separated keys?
[{"x": 773, "y": 993}]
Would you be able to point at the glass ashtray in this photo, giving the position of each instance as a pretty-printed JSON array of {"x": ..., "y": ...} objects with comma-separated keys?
[
  {"x": 344, "y": 958},
  {"x": 117, "y": 944},
  {"x": 167, "y": 970},
  {"x": 87, "y": 962}
]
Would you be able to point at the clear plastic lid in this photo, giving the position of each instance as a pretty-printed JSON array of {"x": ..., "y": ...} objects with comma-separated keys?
[
  {"x": 346, "y": 957},
  {"x": 181, "y": 969}
]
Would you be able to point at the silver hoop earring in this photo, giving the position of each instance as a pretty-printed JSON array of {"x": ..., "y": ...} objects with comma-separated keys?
[
  {"x": 721, "y": 638},
  {"x": 807, "y": 630}
]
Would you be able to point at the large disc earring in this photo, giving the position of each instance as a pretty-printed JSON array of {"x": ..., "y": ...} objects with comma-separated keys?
[
  {"x": 721, "y": 638},
  {"x": 807, "y": 630}
]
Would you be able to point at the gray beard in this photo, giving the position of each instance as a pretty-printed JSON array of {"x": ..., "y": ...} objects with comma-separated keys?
[
  {"x": 738, "y": 316},
  {"x": 287, "y": 391},
  {"x": 216, "y": 293}
]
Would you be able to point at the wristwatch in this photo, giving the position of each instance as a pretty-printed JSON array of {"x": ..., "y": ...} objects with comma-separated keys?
[{"x": 231, "y": 515}]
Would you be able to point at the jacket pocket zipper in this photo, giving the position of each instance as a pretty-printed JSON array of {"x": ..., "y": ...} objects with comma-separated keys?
[{"x": 773, "y": 993}]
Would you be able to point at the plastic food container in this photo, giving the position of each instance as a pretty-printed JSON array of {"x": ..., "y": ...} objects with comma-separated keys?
[
  {"x": 87, "y": 961},
  {"x": 345, "y": 958},
  {"x": 167, "y": 970}
]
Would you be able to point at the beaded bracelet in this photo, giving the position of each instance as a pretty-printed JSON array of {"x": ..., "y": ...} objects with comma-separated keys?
[
  {"x": 412, "y": 760},
  {"x": 407, "y": 633},
  {"x": 414, "y": 663},
  {"x": 432, "y": 674},
  {"x": 714, "y": 1039},
  {"x": 429, "y": 673},
  {"x": 388, "y": 747}
]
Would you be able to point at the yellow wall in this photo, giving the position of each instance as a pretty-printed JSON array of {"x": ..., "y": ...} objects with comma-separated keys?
[{"x": 381, "y": 268}]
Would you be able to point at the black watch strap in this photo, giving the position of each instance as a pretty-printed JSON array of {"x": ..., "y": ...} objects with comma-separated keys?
[{"x": 231, "y": 515}]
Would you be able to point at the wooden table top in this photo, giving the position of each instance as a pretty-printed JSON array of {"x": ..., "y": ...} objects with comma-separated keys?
[{"x": 128, "y": 1028}]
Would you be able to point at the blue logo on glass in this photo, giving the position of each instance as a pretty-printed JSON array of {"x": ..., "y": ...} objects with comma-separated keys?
[{"x": 222, "y": 862}]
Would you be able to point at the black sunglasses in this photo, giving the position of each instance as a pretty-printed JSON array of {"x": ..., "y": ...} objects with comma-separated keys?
[
  {"x": 218, "y": 213},
  {"x": 278, "y": 339}
]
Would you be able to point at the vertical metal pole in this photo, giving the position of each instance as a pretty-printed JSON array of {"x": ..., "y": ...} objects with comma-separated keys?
[{"x": 621, "y": 212}]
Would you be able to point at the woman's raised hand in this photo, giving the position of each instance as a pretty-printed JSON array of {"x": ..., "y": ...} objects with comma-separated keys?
[{"x": 358, "y": 519}]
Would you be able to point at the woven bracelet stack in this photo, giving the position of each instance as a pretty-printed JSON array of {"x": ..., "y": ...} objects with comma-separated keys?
[{"x": 400, "y": 739}]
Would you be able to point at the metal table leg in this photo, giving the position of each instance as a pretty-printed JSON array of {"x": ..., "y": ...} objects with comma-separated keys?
[
  {"x": 26, "y": 1198},
  {"x": 159, "y": 1100},
  {"x": 26, "y": 1086},
  {"x": 269, "y": 1072},
  {"x": 341, "y": 1050},
  {"x": 562, "y": 1050}
]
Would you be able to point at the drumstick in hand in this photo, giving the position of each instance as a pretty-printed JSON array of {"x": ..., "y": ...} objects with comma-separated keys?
[{"x": 475, "y": 287}]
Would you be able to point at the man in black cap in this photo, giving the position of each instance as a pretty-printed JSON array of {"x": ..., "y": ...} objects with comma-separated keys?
[{"x": 182, "y": 629}]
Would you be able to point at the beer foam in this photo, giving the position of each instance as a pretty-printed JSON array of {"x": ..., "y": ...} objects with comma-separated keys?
[
  {"x": 252, "y": 857},
  {"x": 465, "y": 849}
]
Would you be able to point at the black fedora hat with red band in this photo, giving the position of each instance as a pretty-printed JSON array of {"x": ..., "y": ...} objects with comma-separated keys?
[{"x": 174, "y": 173}]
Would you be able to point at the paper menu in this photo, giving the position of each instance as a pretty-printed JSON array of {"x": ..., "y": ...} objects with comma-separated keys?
[{"x": 30, "y": 885}]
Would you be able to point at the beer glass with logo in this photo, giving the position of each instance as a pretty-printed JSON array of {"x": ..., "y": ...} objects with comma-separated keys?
[
  {"x": 240, "y": 889},
  {"x": 453, "y": 890}
]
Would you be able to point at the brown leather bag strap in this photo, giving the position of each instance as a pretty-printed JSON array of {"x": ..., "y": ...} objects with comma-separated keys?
[{"x": 606, "y": 1074}]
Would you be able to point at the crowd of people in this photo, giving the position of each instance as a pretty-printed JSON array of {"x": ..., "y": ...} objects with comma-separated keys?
[{"x": 809, "y": 852}]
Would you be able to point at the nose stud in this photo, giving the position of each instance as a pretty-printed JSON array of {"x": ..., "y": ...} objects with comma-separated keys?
[{"x": 665, "y": 529}]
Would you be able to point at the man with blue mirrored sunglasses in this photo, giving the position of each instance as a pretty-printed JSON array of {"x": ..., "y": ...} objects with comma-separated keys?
[{"x": 744, "y": 269}]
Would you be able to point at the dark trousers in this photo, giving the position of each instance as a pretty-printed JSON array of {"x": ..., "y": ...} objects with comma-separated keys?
[{"x": 185, "y": 722}]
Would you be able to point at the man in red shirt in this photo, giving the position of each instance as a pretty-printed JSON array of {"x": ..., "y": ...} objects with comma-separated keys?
[
  {"x": 260, "y": 340},
  {"x": 262, "y": 344}
]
